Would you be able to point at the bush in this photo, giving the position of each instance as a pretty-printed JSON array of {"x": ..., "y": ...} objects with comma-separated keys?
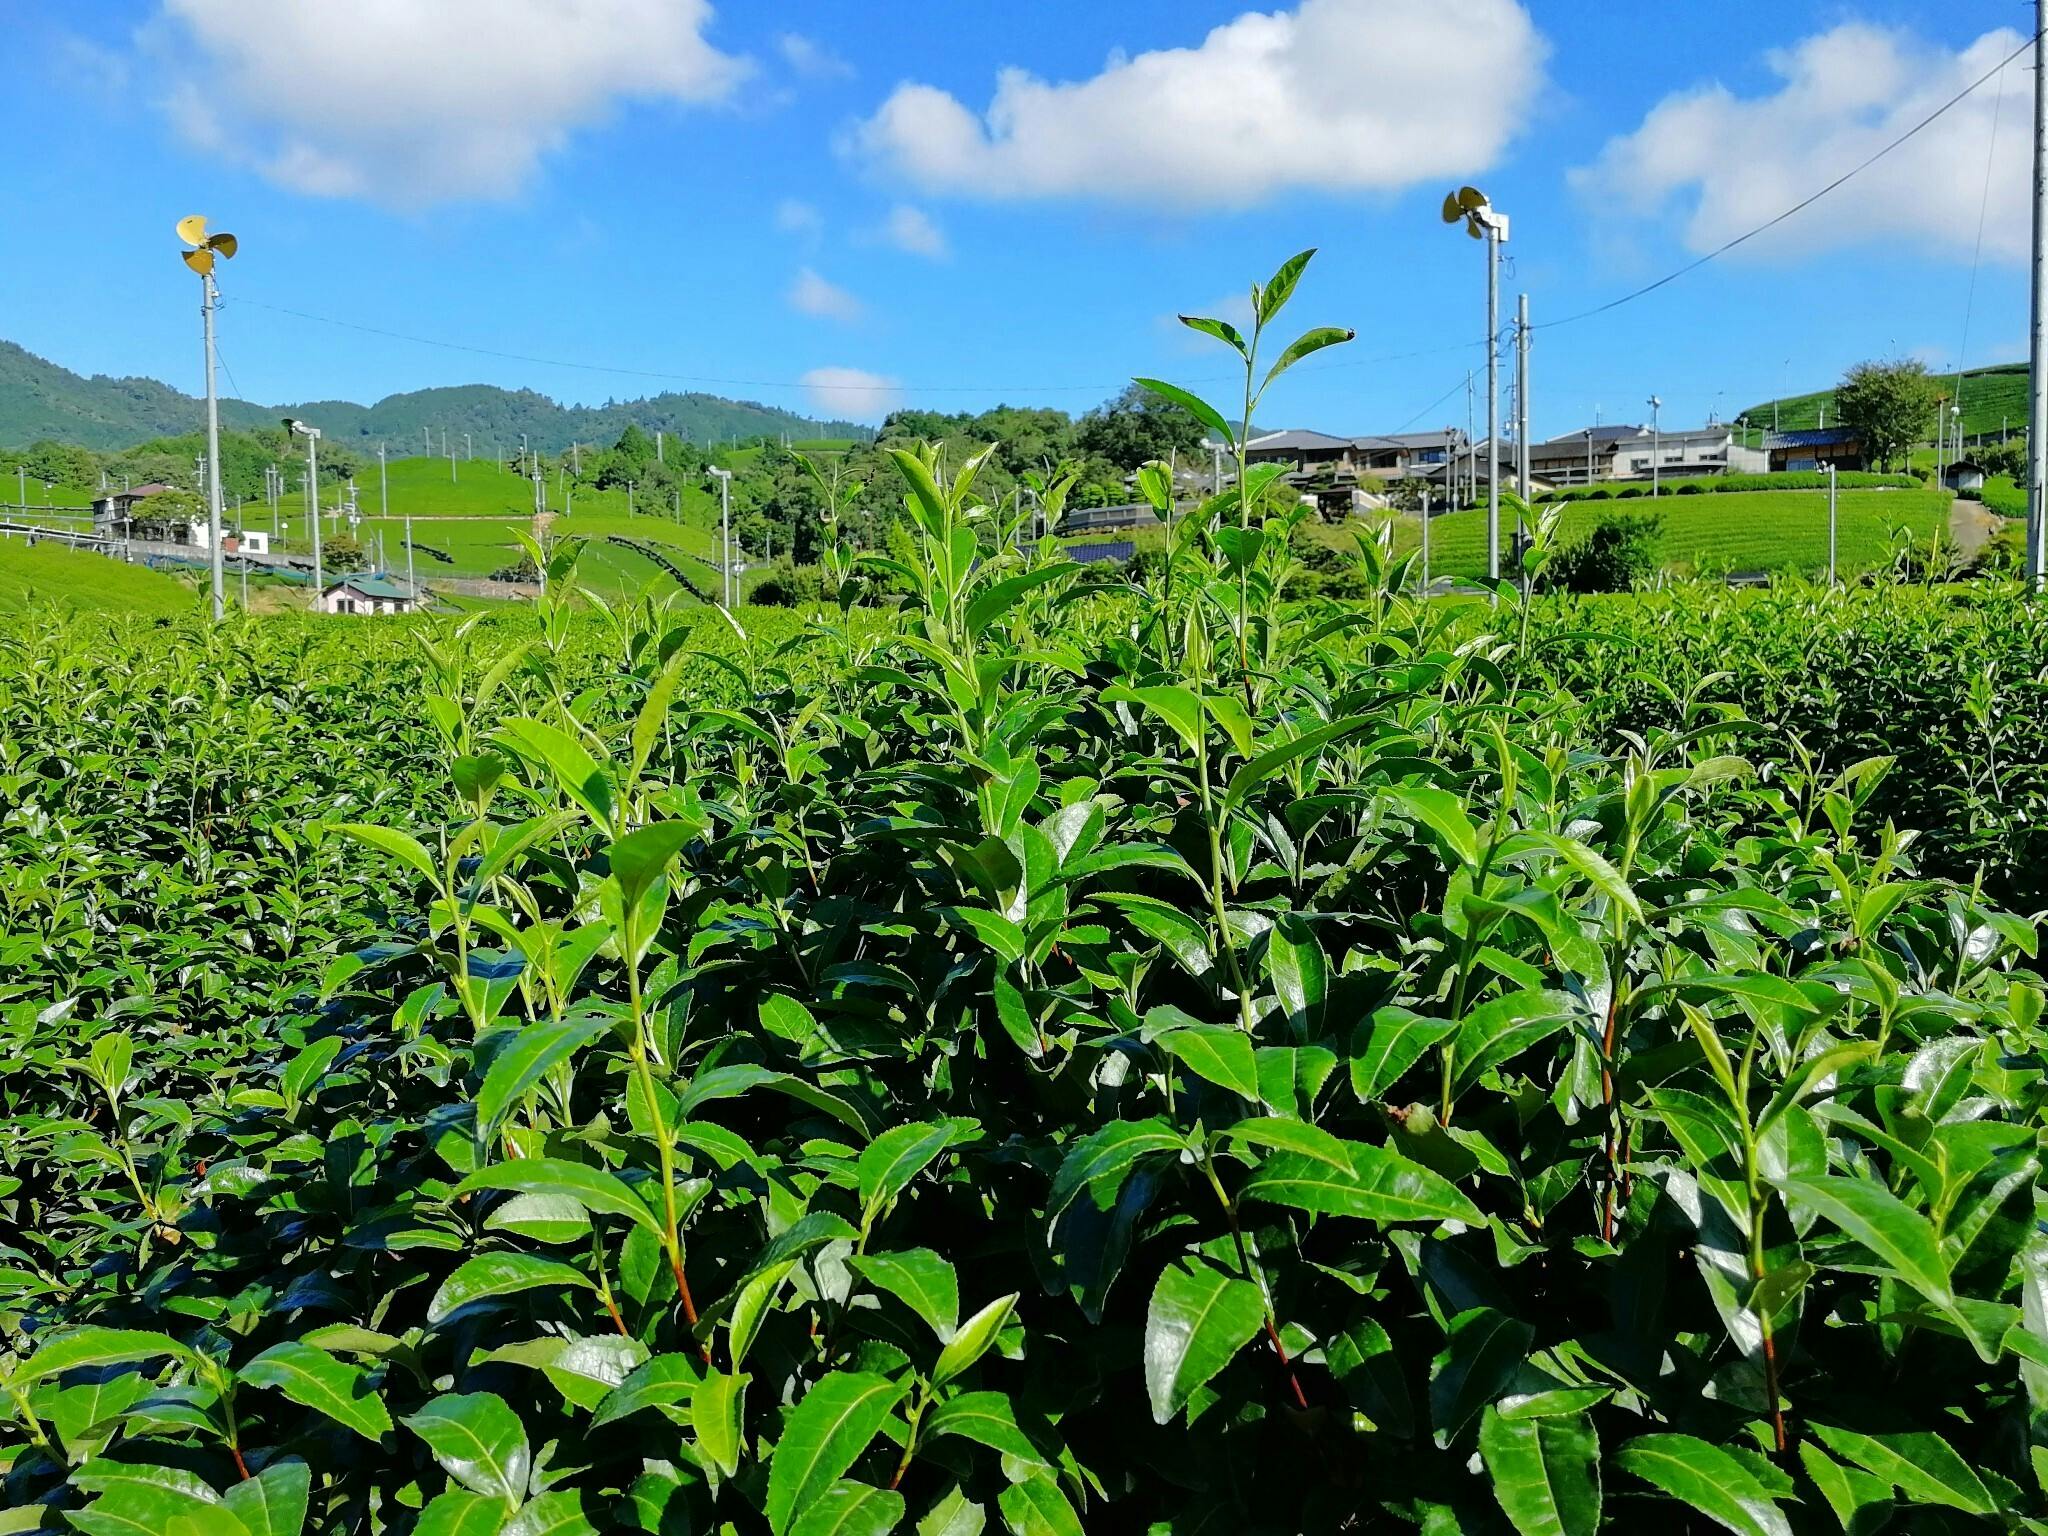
[
  {"x": 1630, "y": 492},
  {"x": 1614, "y": 555},
  {"x": 1691, "y": 488},
  {"x": 788, "y": 585}
]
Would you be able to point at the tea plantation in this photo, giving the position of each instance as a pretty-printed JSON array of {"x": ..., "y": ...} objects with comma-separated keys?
[{"x": 1179, "y": 1056}]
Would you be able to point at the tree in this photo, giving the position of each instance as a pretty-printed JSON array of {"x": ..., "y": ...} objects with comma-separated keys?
[
  {"x": 165, "y": 515},
  {"x": 1890, "y": 406},
  {"x": 1138, "y": 426}
]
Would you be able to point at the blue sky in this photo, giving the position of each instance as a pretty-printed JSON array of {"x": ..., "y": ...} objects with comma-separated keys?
[{"x": 748, "y": 197}]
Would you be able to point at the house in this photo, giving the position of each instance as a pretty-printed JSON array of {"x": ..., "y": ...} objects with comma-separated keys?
[
  {"x": 1815, "y": 448},
  {"x": 372, "y": 592},
  {"x": 1626, "y": 451},
  {"x": 113, "y": 512},
  {"x": 1964, "y": 475},
  {"x": 1135, "y": 514}
]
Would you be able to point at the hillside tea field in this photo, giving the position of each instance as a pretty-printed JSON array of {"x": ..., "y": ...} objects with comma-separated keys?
[{"x": 1045, "y": 1059}]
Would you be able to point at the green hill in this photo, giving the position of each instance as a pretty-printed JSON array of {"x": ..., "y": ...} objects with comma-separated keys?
[
  {"x": 32, "y": 575},
  {"x": 1992, "y": 398},
  {"x": 40, "y": 399}
]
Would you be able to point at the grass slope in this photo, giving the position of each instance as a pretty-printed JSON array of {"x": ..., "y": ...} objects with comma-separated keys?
[
  {"x": 32, "y": 575},
  {"x": 1991, "y": 396},
  {"x": 1756, "y": 531}
]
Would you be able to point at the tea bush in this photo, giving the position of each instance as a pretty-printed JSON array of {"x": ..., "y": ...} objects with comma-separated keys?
[{"x": 1053, "y": 1058}]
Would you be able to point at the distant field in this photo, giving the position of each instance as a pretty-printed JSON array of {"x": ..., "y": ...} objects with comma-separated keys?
[
  {"x": 1991, "y": 396},
  {"x": 49, "y": 573},
  {"x": 38, "y": 496},
  {"x": 1756, "y": 531},
  {"x": 480, "y": 488}
]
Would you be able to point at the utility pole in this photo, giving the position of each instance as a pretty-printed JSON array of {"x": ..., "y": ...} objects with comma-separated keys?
[
  {"x": 312, "y": 437},
  {"x": 725, "y": 524},
  {"x": 2037, "y": 383},
  {"x": 207, "y": 299},
  {"x": 428, "y": 434},
  {"x": 660, "y": 446},
  {"x": 1831, "y": 522},
  {"x": 1522, "y": 403},
  {"x": 468, "y": 447},
  {"x": 1656, "y": 447},
  {"x": 1425, "y": 541}
]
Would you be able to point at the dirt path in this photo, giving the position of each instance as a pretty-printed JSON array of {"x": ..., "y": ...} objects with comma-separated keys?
[{"x": 1971, "y": 525}]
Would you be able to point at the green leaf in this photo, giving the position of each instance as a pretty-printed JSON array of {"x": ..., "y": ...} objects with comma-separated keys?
[
  {"x": 1105, "y": 1156},
  {"x": 1707, "y": 1480},
  {"x": 501, "y": 1274},
  {"x": 1382, "y": 1185},
  {"x": 1271, "y": 761},
  {"x": 1593, "y": 866},
  {"x": 135, "y": 1508},
  {"x": 987, "y": 1419},
  {"x": 1896, "y": 1233},
  {"x": 551, "y": 1514},
  {"x": 1305, "y": 345},
  {"x": 823, "y": 1436},
  {"x": 661, "y": 1382},
  {"x": 1222, "y": 330},
  {"x": 972, "y": 1339},
  {"x": 1299, "y": 973},
  {"x": 534, "y": 1052},
  {"x": 643, "y": 856},
  {"x": 1199, "y": 1318},
  {"x": 1037, "y": 1507},
  {"x": 99, "y": 1346},
  {"x": 1483, "y": 1351},
  {"x": 920, "y": 1279},
  {"x": 750, "y": 1308},
  {"x": 1194, "y": 405},
  {"x": 848, "y": 1508},
  {"x": 953, "y": 1515},
  {"x": 1922, "y": 1466},
  {"x": 575, "y": 772},
  {"x": 1501, "y": 1029},
  {"x": 1000, "y": 597},
  {"x": 594, "y": 1189},
  {"x": 402, "y": 846},
  {"x": 897, "y": 1156},
  {"x": 1273, "y": 296},
  {"x": 316, "y": 1380},
  {"x": 1444, "y": 814},
  {"x": 478, "y": 1441},
  {"x": 1394, "y": 1041},
  {"x": 1217, "y": 1055},
  {"x": 306, "y": 1069},
  {"x": 715, "y": 1413},
  {"x": 1545, "y": 1471},
  {"x": 273, "y": 1502},
  {"x": 1180, "y": 708}
]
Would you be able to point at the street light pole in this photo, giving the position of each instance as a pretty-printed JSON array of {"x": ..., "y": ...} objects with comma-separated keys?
[
  {"x": 312, "y": 437},
  {"x": 1656, "y": 448},
  {"x": 1831, "y": 522},
  {"x": 725, "y": 525}
]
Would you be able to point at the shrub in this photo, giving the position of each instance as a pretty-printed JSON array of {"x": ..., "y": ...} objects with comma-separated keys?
[
  {"x": 1691, "y": 488},
  {"x": 1614, "y": 555}
]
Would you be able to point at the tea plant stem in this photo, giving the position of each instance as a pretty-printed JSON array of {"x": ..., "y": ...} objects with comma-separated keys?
[
  {"x": 664, "y": 1146},
  {"x": 1244, "y": 1265},
  {"x": 1757, "y": 1206},
  {"x": 1223, "y": 938}
]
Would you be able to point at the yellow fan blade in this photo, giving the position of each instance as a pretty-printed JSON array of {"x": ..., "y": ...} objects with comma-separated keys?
[
  {"x": 1452, "y": 212},
  {"x": 1472, "y": 229},
  {"x": 192, "y": 229},
  {"x": 226, "y": 244},
  {"x": 1470, "y": 198},
  {"x": 200, "y": 261}
]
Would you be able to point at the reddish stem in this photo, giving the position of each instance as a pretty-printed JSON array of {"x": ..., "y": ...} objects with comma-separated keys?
[
  {"x": 675, "y": 1263},
  {"x": 242, "y": 1466},
  {"x": 1293, "y": 1382}
]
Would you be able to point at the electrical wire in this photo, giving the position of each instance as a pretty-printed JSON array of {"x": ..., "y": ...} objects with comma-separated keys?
[
  {"x": 1799, "y": 207},
  {"x": 1977, "y": 252}
]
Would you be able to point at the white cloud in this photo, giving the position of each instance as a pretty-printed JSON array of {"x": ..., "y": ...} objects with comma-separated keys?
[
  {"x": 812, "y": 59},
  {"x": 1728, "y": 163},
  {"x": 852, "y": 392},
  {"x": 793, "y": 216},
  {"x": 811, "y": 294},
  {"x": 412, "y": 104},
  {"x": 1334, "y": 95},
  {"x": 911, "y": 229}
]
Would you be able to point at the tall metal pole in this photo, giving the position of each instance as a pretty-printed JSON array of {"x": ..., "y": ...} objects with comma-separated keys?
[
  {"x": 2037, "y": 385},
  {"x": 725, "y": 523},
  {"x": 1425, "y": 541},
  {"x": 1831, "y": 523},
  {"x": 1492, "y": 403},
  {"x": 313, "y": 509},
  {"x": 207, "y": 297},
  {"x": 1522, "y": 402}
]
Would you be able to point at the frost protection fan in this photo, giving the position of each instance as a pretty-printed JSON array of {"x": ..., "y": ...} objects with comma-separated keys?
[
  {"x": 192, "y": 230},
  {"x": 1470, "y": 204}
]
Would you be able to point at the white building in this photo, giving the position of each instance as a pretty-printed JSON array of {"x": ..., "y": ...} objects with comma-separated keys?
[{"x": 367, "y": 593}]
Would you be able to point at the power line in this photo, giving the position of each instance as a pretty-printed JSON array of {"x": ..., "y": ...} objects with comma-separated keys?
[
  {"x": 1799, "y": 207},
  {"x": 1977, "y": 251}
]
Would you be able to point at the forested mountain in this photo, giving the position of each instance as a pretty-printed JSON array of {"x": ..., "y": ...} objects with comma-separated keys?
[{"x": 41, "y": 400}]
